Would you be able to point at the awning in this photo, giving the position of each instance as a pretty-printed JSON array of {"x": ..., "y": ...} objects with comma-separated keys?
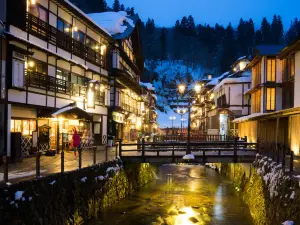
[{"x": 68, "y": 112}]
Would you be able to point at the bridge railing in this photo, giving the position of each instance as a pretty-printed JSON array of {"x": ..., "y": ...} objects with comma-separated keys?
[
  {"x": 194, "y": 138},
  {"x": 175, "y": 149}
]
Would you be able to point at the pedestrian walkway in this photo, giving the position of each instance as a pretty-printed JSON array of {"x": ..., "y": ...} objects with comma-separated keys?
[{"x": 26, "y": 169}]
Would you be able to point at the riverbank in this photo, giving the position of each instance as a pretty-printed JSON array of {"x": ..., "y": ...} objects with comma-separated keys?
[
  {"x": 73, "y": 197},
  {"x": 271, "y": 194}
]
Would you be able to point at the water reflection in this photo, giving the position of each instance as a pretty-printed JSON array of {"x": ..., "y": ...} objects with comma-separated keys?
[{"x": 182, "y": 195}]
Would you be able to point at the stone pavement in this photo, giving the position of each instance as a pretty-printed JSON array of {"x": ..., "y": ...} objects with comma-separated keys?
[{"x": 26, "y": 169}]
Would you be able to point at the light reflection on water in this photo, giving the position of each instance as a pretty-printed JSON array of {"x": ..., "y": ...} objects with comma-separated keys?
[{"x": 183, "y": 195}]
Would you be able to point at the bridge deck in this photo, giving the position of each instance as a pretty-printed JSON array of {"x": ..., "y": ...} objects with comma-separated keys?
[{"x": 222, "y": 151}]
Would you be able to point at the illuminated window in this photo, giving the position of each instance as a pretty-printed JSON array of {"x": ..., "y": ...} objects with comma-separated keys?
[
  {"x": 256, "y": 101},
  {"x": 26, "y": 127},
  {"x": 270, "y": 99},
  {"x": 271, "y": 70},
  {"x": 38, "y": 11}
]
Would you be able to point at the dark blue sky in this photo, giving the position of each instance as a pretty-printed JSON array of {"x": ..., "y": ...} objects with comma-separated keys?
[{"x": 165, "y": 12}]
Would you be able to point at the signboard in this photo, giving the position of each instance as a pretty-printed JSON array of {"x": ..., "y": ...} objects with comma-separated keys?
[
  {"x": 212, "y": 132},
  {"x": 34, "y": 139},
  {"x": 64, "y": 137},
  {"x": 118, "y": 117}
]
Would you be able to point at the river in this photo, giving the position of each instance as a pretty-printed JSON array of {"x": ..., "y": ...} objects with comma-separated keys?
[{"x": 182, "y": 195}]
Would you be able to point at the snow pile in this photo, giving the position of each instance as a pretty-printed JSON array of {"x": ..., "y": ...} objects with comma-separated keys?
[
  {"x": 188, "y": 157},
  {"x": 149, "y": 86},
  {"x": 53, "y": 182},
  {"x": 216, "y": 80},
  {"x": 18, "y": 195},
  {"x": 246, "y": 118},
  {"x": 83, "y": 179},
  {"x": 288, "y": 223},
  {"x": 273, "y": 176},
  {"x": 113, "y": 22}
]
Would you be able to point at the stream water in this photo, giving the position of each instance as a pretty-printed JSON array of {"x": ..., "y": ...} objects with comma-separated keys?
[{"x": 182, "y": 195}]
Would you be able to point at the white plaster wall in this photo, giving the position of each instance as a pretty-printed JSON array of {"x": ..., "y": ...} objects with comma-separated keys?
[
  {"x": 63, "y": 53},
  {"x": 42, "y": 56},
  {"x": 51, "y": 71},
  {"x": 278, "y": 98},
  {"x": 79, "y": 60},
  {"x": 43, "y": 3},
  {"x": 16, "y": 96},
  {"x": 62, "y": 102},
  {"x": 18, "y": 32},
  {"x": 104, "y": 72},
  {"x": 93, "y": 34},
  {"x": 64, "y": 65},
  {"x": 104, "y": 126},
  {"x": 53, "y": 7},
  {"x": 93, "y": 67},
  {"x": 236, "y": 94},
  {"x": 53, "y": 20},
  {"x": 50, "y": 101},
  {"x": 297, "y": 80},
  {"x": 278, "y": 71},
  {"x": 37, "y": 41},
  {"x": 36, "y": 99},
  {"x": 64, "y": 15}
]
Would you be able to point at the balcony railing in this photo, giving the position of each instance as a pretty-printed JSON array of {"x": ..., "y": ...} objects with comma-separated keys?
[
  {"x": 130, "y": 108},
  {"x": 43, "y": 81},
  {"x": 46, "y": 32}
]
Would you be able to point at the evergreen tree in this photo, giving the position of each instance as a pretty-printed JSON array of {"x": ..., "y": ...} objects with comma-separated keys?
[
  {"x": 163, "y": 43},
  {"x": 184, "y": 25},
  {"x": 277, "y": 30},
  {"x": 131, "y": 11},
  {"x": 116, "y": 6},
  {"x": 258, "y": 37},
  {"x": 228, "y": 49},
  {"x": 191, "y": 28},
  {"x": 122, "y": 7},
  {"x": 266, "y": 31},
  {"x": 293, "y": 32}
]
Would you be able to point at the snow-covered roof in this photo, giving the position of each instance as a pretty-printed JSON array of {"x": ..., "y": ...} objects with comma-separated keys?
[
  {"x": 149, "y": 86},
  {"x": 86, "y": 16},
  {"x": 242, "y": 79},
  {"x": 58, "y": 112},
  {"x": 215, "y": 81},
  {"x": 241, "y": 58},
  {"x": 245, "y": 118},
  {"x": 113, "y": 22}
]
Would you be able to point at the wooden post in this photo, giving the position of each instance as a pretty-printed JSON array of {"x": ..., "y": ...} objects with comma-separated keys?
[
  {"x": 106, "y": 153},
  {"x": 283, "y": 157},
  {"x": 62, "y": 161},
  {"x": 5, "y": 164},
  {"x": 291, "y": 161},
  {"x": 143, "y": 149},
  {"x": 235, "y": 150},
  {"x": 94, "y": 155},
  {"x": 173, "y": 155},
  {"x": 278, "y": 152},
  {"x": 203, "y": 155},
  {"x": 80, "y": 157},
  {"x": 38, "y": 164},
  {"x": 117, "y": 146},
  {"x": 246, "y": 140},
  {"x": 257, "y": 146},
  {"x": 120, "y": 148}
]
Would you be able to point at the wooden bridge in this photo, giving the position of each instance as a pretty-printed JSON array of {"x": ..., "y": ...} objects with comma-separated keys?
[{"x": 233, "y": 151}]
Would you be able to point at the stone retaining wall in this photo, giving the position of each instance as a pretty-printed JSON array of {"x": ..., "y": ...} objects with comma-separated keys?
[
  {"x": 272, "y": 195},
  {"x": 72, "y": 197}
]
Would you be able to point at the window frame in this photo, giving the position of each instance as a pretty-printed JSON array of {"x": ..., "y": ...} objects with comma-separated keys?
[
  {"x": 271, "y": 70},
  {"x": 65, "y": 25},
  {"x": 270, "y": 98}
]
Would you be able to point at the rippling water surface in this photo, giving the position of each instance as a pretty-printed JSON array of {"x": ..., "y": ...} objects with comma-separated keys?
[{"x": 182, "y": 195}]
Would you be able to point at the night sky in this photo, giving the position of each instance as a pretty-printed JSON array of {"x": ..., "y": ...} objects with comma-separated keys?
[{"x": 165, "y": 12}]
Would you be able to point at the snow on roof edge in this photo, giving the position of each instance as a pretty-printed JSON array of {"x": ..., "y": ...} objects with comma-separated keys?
[
  {"x": 246, "y": 118},
  {"x": 87, "y": 17}
]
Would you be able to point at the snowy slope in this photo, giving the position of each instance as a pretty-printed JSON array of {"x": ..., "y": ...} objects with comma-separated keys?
[{"x": 171, "y": 72}]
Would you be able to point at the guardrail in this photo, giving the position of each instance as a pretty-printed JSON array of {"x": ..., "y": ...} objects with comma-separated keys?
[
  {"x": 218, "y": 149},
  {"x": 195, "y": 138}
]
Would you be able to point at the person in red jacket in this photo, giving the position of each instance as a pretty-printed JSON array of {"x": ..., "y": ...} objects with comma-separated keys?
[{"x": 76, "y": 141}]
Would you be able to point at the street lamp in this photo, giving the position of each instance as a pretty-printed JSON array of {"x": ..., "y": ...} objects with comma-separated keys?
[
  {"x": 172, "y": 118},
  {"x": 182, "y": 91},
  {"x": 181, "y": 112}
]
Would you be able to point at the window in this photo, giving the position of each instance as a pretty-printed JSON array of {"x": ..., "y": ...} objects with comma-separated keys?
[
  {"x": 62, "y": 74},
  {"x": 256, "y": 80},
  {"x": 38, "y": 11},
  {"x": 270, "y": 99},
  {"x": 63, "y": 26},
  {"x": 18, "y": 68},
  {"x": 26, "y": 127},
  {"x": 288, "y": 67},
  {"x": 91, "y": 43},
  {"x": 271, "y": 70},
  {"x": 79, "y": 36},
  {"x": 34, "y": 65},
  {"x": 255, "y": 98}
]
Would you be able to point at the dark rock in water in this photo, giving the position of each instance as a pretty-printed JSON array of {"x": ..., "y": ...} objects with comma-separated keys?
[
  {"x": 193, "y": 220},
  {"x": 173, "y": 213},
  {"x": 196, "y": 207},
  {"x": 181, "y": 212}
]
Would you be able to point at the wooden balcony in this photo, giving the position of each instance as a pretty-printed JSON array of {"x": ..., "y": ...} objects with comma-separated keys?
[{"x": 48, "y": 33}]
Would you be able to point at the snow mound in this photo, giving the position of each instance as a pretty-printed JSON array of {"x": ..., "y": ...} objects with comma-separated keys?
[
  {"x": 113, "y": 22},
  {"x": 288, "y": 223},
  {"x": 188, "y": 157},
  {"x": 18, "y": 195}
]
